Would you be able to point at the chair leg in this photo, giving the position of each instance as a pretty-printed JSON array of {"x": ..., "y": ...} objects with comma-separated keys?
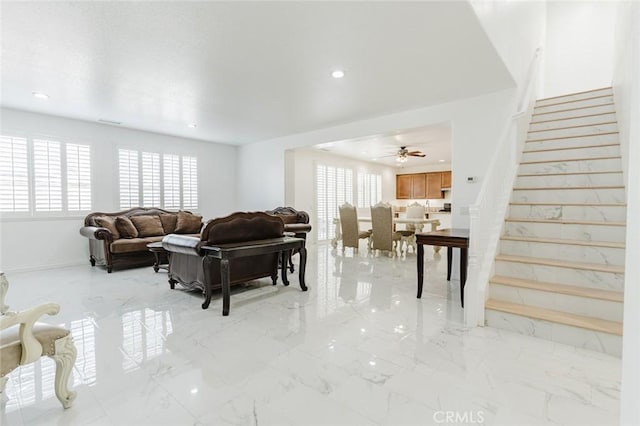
[{"x": 65, "y": 358}]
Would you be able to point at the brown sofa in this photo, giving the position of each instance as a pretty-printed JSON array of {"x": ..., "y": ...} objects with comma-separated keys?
[
  {"x": 186, "y": 266},
  {"x": 120, "y": 239}
]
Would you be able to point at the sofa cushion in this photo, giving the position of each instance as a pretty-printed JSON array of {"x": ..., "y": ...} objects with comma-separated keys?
[
  {"x": 169, "y": 222},
  {"x": 126, "y": 227},
  {"x": 131, "y": 245},
  {"x": 188, "y": 223},
  {"x": 108, "y": 222},
  {"x": 147, "y": 226}
]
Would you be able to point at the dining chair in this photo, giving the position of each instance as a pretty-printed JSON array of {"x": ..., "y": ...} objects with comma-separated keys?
[
  {"x": 383, "y": 237},
  {"x": 414, "y": 211},
  {"x": 351, "y": 233}
]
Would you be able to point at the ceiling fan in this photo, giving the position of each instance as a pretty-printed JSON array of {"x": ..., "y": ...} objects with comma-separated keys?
[{"x": 403, "y": 154}]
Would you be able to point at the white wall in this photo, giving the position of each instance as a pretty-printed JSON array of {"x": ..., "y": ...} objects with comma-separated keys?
[
  {"x": 580, "y": 46},
  {"x": 34, "y": 243},
  {"x": 626, "y": 86}
]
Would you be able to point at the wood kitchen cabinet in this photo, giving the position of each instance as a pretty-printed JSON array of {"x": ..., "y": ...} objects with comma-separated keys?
[
  {"x": 421, "y": 186},
  {"x": 446, "y": 180}
]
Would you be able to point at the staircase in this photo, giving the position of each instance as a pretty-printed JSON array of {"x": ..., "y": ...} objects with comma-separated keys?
[{"x": 559, "y": 271}]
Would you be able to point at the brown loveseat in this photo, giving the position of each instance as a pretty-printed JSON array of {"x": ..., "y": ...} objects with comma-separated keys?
[
  {"x": 120, "y": 239},
  {"x": 186, "y": 266}
]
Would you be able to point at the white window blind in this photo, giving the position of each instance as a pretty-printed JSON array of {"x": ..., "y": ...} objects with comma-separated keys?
[
  {"x": 171, "y": 181},
  {"x": 47, "y": 176},
  {"x": 129, "y": 179},
  {"x": 334, "y": 187},
  {"x": 190, "y": 182},
  {"x": 14, "y": 175},
  {"x": 151, "y": 179},
  {"x": 78, "y": 177},
  {"x": 369, "y": 189}
]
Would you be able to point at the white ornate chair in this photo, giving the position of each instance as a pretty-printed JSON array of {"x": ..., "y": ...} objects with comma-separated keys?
[
  {"x": 414, "y": 211},
  {"x": 23, "y": 341},
  {"x": 383, "y": 236},
  {"x": 351, "y": 233}
]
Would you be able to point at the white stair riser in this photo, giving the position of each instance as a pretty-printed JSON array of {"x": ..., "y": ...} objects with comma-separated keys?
[
  {"x": 555, "y": 274},
  {"x": 560, "y": 333},
  {"x": 595, "y": 308},
  {"x": 596, "y": 101},
  {"x": 578, "y": 121},
  {"x": 600, "y": 179},
  {"x": 572, "y": 154},
  {"x": 602, "y": 165},
  {"x": 603, "y": 213},
  {"x": 575, "y": 97},
  {"x": 614, "y": 234},
  {"x": 574, "y": 131},
  {"x": 615, "y": 195},
  {"x": 571, "y": 253},
  {"x": 604, "y": 109},
  {"x": 583, "y": 141}
]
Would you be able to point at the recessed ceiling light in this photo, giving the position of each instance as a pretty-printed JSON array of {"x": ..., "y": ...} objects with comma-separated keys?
[
  {"x": 192, "y": 125},
  {"x": 442, "y": 161},
  {"x": 337, "y": 74},
  {"x": 374, "y": 159},
  {"x": 40, "y": 95}
]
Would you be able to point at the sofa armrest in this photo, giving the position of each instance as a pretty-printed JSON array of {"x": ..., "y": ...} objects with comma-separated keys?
[
  {"x": 175, "y": 243},
  {"x": 297, "y": 227},
  {"x": 96, "y": 233}
]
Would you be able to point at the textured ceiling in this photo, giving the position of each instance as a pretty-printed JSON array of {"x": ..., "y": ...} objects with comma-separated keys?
[{"x": 242, "y": 71}]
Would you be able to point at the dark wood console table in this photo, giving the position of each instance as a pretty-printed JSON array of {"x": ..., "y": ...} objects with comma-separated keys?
[
  {"x": 223, "y": 253},
  {"x": 160, "y": 254},
  {"x": 449, "y": 238}
]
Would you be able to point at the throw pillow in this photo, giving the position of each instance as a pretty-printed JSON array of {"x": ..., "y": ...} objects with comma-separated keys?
[
  {"x": 147, "y": 225},
  {"x": 126, "y": 227},
  {"x": 108, "y": 222},
  {"x": 169, "y": 222},
  {"x": 188, "y": 223}
]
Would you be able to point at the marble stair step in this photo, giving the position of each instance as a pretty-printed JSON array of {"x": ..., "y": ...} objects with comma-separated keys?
[
  {"x": 542, "y": 297},
  {"x": 573, "y": 112},
  {"x": 571, "y": 153},
  {"x": 558, "y": 180},
  {"x": 574, "y": 131},
  {"x": 598, "y": 276},
  {"x": 614, "y": 212},
  {"x": 576, "y": 330},
  {"x": 601, "y": 194},
  {"x": 564, "y": 250},
  {"x": 571, "y": 166},
  {"x": 571, "y": 290},
  {"x": 574, "y": 121},
  {"x": 582, "y": 140},
  {"x": 569, "y": 97},
  {"x": 608, "y": 231},
  {"x": 595, "y": 100}
]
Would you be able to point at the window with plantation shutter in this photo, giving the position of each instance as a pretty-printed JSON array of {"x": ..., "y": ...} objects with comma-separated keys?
[
  {"x": 151, "y": 179},
  {"x": 334, "y": 187},
  {"x": 47, "y": 176},
  {"x": 14, "y": 175},
  {"x": 129, "y": 179},
  {"x": 171, "y": 181},
  {"x": 78, "y": 177},
  {"x": 369, "y": 189},
  {"x": 189, "y": 182}
]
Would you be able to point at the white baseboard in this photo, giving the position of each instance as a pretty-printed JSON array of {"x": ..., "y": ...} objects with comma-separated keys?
[{"x": 43, "y": 267}]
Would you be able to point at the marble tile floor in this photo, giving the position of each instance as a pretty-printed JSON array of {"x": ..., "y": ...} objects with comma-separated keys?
[{"x": 357, "y": 349}]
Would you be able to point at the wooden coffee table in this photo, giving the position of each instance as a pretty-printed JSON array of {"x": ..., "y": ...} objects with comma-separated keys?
[{"x": 160, "y": 254}]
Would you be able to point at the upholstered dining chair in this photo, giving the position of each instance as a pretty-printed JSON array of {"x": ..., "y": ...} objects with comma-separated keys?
[
  {"x": 383, "y": 236},
  {"x": 414, "y": 211},
  {"x": 24, "y": 341},
  {"x": 351, "y": 233}
]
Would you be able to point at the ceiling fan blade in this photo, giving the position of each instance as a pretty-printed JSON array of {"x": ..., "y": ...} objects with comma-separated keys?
[{"x": 416, "y": 154}]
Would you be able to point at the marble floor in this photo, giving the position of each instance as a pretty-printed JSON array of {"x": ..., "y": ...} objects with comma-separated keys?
[{"x": 357, "y": 349}]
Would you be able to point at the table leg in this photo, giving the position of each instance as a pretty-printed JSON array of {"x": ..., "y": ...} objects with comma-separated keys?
[
  {"x": 464, "y": 253},
  {"x": 224, "y": 276},
  {"x": 337, "y": 232},
  {"x": 156, "y": 266},
  {"x": 449, "y": 260},
  {"x": 303, "y": 268},
  {"x": 284, "y": 259},
  {"x": 206, "y": 265},
  {"x": 420, "y": 257}
]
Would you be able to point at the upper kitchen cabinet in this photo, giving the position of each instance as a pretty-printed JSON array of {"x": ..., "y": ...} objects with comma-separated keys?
[
  {"x": 403, "y": 187},
  {"x": 446, "y": 180},
  {"x": 418, "y": 186},
  {"x": 434, "y": 185}
]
